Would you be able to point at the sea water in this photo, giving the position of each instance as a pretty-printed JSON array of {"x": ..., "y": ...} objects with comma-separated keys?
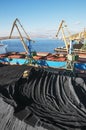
[{"x": 38, "y": 45}]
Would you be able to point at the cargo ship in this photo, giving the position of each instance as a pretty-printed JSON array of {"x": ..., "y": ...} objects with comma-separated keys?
[{"x": 62, "y": 59}]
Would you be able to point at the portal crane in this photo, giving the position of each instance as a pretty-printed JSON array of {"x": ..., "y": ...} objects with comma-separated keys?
[
  {"x": 71, "y": 57},
  {"x": 20, "y": 35},
  {"x": 61, "y": 27}
]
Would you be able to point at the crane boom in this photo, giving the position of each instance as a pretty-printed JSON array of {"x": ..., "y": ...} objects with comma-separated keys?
[
  {"x": 20, "y": 35},
  {"x": 22, "y": 40},
  {"x": 23, "y": 28},
  {"x": 61, "y": 26}
]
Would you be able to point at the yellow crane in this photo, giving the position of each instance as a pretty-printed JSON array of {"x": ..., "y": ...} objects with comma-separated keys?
[
  {"x": 78, "y": 36},
  {"x": 20, "y": 35},
  {"x": 71, "y": 57},
  {"x": 61, "y": 27}
]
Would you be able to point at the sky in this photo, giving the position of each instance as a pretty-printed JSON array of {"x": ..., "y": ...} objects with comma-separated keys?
[{"x": 41, "y": 18}]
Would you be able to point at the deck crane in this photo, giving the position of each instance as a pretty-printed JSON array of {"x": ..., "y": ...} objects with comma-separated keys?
[{"x": 20, "y": 35}]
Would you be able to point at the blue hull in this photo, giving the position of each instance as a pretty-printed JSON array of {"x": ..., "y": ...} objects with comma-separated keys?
[
  {"x": 55, "y": 64},
  {"x": 80, "y": 66}
]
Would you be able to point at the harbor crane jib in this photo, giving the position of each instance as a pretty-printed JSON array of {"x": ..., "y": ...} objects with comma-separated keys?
[
  {"x": 62, "y": 28},
  {"x": 16, "y": 24}
]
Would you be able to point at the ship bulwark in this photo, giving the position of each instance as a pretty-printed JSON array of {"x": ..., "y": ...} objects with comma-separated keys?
[{"x": 51, "y": 99}]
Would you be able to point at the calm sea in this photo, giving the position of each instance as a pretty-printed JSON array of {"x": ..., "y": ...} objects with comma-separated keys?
[{"x": 44, "y": 45}]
